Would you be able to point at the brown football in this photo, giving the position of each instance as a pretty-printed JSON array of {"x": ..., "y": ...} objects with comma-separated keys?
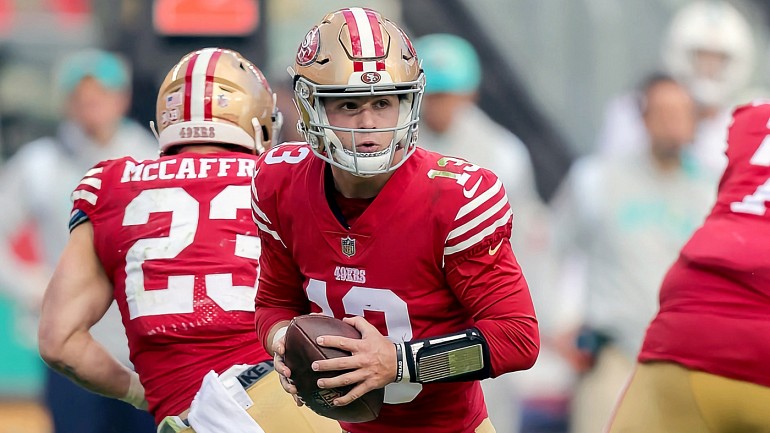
[{"x": 302, "y": 350}]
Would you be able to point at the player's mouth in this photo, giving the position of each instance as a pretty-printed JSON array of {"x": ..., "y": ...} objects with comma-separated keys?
[{"x": 367, "y": 147}]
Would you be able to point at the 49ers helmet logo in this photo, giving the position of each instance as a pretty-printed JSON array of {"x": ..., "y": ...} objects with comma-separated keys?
[
  {"x": 371, "y": 77},
  {"x": 308, "y": 49}
]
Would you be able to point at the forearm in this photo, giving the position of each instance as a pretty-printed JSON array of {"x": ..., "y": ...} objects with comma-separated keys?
[
  {"x": 87, "y": 363},
  {"x": 494, "y": 290},
  {"x": 514, "y": 343}
]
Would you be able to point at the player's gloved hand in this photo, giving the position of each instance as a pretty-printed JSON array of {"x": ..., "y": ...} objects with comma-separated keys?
[
  {"x": 373, "y": 361},
  {"x": 284, "y": 373}
]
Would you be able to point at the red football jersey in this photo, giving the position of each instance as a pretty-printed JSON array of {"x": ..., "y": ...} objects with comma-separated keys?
[
  {"x": 430, "y": 255},
  {"x": 175, "y": 236},
  {"x": 714, "y": 301}
]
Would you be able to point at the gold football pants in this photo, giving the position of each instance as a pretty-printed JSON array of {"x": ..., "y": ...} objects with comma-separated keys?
[{"x": 664, "y": 397}]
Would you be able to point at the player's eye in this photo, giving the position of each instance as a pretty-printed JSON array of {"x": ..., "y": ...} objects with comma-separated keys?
[{"x": 382, "y": 103}]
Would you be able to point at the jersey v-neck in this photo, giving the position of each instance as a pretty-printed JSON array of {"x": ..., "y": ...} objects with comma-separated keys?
[{"x": 360, "y": 216}]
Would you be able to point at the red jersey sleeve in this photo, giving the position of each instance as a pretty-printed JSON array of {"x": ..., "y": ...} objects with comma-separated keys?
[
  {"x": 484, "y": 274},
  {"x": 85, "y": 197}
]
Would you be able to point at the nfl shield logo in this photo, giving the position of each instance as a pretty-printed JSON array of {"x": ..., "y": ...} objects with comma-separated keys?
[{"x": 348, "y": 246}]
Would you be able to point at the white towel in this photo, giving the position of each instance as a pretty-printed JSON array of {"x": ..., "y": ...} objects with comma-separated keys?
[{"x": 213, "y": 410}]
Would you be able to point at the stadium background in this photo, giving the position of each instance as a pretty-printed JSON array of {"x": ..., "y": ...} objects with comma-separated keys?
[{"x": 550, "y": 66}]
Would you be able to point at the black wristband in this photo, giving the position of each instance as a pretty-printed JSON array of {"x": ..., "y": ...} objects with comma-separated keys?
[{"x": 399, "y": 363}]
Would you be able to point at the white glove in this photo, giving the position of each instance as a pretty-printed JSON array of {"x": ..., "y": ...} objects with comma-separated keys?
[{"x": 214, "y": 410}]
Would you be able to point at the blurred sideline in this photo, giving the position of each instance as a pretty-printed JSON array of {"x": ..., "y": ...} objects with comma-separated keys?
[{"x": 21, "y": 370}]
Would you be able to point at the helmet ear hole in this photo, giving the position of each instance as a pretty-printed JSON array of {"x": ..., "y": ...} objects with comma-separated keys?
[{"x": 265, "y": 133}]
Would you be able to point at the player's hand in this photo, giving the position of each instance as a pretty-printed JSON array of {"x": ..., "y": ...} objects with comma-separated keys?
[
  {"x": 373, "y": 361},
  {"x": 284, "y": 373}
]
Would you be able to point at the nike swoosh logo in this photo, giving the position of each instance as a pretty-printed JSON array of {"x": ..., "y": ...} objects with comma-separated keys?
[
  {"x": 493, "y": 251},
  {"x": 470, "y": 193}
]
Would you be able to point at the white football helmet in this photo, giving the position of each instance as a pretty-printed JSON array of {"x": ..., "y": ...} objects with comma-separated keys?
[
  {"x": 215, "y": 95},
  {"x": 356, "y": 52},
  {"x": 710, "y": 48}
]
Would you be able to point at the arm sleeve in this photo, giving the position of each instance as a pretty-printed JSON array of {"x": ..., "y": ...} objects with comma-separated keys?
[
  {"x": 485, "y": 276},
  {"x": 85, "y": 197},
  {"x": 493, "y": 289},
  {"x": 280, "y": 292}
]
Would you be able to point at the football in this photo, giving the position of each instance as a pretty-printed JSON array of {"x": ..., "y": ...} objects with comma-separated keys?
[{"x": 302, "y": 350}]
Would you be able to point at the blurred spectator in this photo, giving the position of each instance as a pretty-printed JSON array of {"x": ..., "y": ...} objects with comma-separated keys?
[
  {"x": 624, "y": 217},
  {"x": 454, "y": 125},
  {"x": 709, "y": 47},
  {"x": 35, "y": 185}
]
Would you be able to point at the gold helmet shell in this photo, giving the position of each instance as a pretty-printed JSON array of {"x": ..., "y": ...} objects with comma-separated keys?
[
  {"x": 215, "y": 95},
  {"x": 355, "y": 52}
]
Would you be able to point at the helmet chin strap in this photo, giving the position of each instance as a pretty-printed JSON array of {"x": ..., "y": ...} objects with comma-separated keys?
[
  {"x": 258, "y": 144},
  {"x": 154, "y": 129},
  {"x": 277, "y": 118}
]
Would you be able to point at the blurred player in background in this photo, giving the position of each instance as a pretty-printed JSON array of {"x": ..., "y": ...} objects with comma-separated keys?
[
  {"x": 624, "y": 218},
  {"x": 703, "y": 365},
  {"x": 38, "y": 180},
  {"x": 710, "y": 48},
  {"x": 405, "y": 244},
  {"x": 172, "y": 241}
]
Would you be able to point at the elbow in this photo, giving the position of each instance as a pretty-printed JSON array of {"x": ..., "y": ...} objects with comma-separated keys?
[
  {"x": 519, "y": 349},
  {"x": 530, "y": 348},
  {"x": 529, "y": 356},
  {"x": 49, "y": 350},
  {"x": 50, "y": 345}
]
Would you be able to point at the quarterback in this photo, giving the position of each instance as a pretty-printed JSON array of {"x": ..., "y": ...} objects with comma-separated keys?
[
  {"x": 406, "y": 245},
  {"x": 172, "y": 241}
]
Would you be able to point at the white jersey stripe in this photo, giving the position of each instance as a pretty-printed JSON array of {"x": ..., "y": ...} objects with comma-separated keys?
[
  {"x": 265, "y": 229},
  {"x": 478, "y": 201},
  {"x": 94, "y": 171},
  {"x": 84, "y": 195},
  {"x": 258, "y": 212},
  {"x": 475, "y": 222},
  {"x": 479, "y": 236},
  {"x": 92, "y": 182},
  {"x": 198, "y": 86},
  {"x": 364, "y": 33}
]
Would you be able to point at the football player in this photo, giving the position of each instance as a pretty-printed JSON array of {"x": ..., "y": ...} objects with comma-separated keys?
[
  {"x": 172, "y": 241},
  {"x": 703, "y": 364},
  {"x": 406, "y": 245}
]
